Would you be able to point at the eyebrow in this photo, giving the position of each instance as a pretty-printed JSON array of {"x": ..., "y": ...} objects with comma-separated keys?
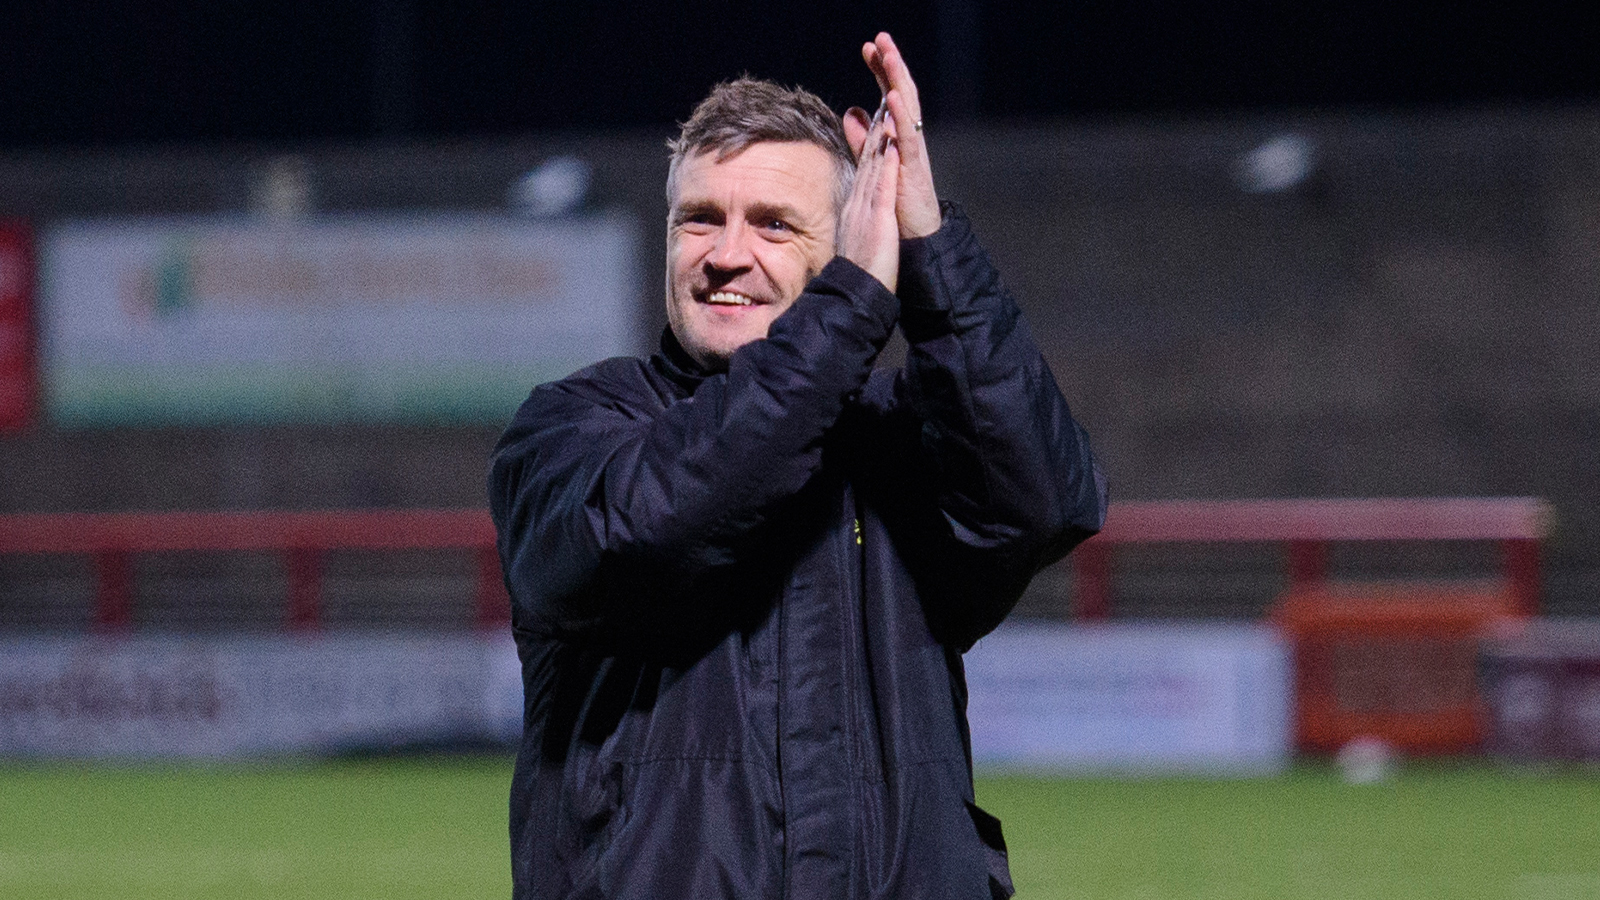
[
  {"x": 682, "y": 211},
  {"x": 775, "y": 211},
  {"x": 782, "y": 211}
]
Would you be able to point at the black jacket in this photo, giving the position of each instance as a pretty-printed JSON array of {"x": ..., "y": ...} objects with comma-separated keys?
[{"x": 741, "y": 599}]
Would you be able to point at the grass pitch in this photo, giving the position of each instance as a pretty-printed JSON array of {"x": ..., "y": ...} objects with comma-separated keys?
[
  {"x": 413, "y": 828},
  {"x": 1456, "y": 831},
  {"x": 435, "y": 828}
]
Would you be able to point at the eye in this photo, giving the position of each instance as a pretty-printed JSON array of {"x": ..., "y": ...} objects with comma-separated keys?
[
  {"x": 697, "y": 219},
  {"x": 777, "y": 226}
]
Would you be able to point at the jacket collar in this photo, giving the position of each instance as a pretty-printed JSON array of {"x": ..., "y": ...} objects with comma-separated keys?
[{"x": 675, "y": 363}]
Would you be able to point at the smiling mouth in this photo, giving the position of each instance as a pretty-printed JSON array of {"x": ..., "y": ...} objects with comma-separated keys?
[{"x": 729, "y": 298}]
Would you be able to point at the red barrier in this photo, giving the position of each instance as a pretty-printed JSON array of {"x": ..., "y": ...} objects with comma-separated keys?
[
  {"x": 1306, "y": 529},
  {"x": 17, "y": 353},
  {"x": 302, "y": 538},
  {"x": 1395, "y": 661}
]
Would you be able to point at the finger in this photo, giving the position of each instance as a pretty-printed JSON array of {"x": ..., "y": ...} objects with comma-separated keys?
[
  {"x": 883, "y": 111},
  {"x": 856, "y": 125},
  {"x": 874, "y": 60},
  {"x": 870, "y": 158},
  {"x": 908, "y": 128},
  {"x": 889, "y": 184},
  {"x": 891, "y": 128},
  {"x": 896, "y": 74}
]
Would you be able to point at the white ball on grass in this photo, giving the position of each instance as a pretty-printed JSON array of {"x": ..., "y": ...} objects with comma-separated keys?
[{"x": 1366, "y": 760}]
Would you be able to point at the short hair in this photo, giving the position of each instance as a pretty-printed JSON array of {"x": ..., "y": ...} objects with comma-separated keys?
[{"x": 748, "y": 111}]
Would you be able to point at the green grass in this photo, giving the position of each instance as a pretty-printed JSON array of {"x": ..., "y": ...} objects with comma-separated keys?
[
  {"x": 372, "y": 829},
  {"x": 435, "y": 828},
  {"x": 1458, "y": 831}
]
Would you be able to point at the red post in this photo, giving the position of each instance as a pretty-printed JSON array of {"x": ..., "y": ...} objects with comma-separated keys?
[
  {"x": 1092, "y": 576},
  {"x": 113, "y": 601},
  {"x": 18, "y": 354},
  {"x": 494, "y": 606},
  {"x": 1308, "y": 563},
  {"x": 1521, "y": 557},
  {"x": 305, "y": 588}
]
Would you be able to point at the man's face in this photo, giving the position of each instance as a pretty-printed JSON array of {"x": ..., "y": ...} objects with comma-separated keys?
[{"x": 744, "y": 236}]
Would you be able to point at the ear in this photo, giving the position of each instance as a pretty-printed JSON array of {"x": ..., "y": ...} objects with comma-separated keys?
[{"x": 856, "y": 125}]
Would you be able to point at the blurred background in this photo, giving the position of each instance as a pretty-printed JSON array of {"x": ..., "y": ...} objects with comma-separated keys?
[{"x": 274, "y": 274}]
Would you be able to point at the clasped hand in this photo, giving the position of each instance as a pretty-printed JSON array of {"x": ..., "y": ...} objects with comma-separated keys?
[{"x": 893, "y": 195}]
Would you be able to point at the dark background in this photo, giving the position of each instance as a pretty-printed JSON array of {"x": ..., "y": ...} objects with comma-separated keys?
[
  {"x": 120, "y": 72},
  {"x": 1415, "y": 316}
]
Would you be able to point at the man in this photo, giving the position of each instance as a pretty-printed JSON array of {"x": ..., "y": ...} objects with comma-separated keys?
[{"x": 743, "y": 571}]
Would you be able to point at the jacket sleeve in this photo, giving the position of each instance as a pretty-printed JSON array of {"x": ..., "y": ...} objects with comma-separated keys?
[
  {"x": 609, "y": 508},
  {"x": 1012, "y": 484}
]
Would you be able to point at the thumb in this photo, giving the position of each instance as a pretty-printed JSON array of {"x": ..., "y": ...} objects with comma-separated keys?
[{"x": 856, "y": 125}]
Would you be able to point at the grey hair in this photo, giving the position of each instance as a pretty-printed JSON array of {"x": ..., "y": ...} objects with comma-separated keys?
[{"x": 749, "y": 111}]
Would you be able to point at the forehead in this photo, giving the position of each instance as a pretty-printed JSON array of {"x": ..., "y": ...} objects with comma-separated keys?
[{"x": 794, "y": 174}]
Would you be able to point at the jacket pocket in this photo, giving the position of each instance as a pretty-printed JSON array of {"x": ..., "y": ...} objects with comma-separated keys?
[{"x": 994, "y": 852}]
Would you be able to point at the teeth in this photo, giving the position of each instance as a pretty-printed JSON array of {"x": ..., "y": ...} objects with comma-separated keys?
[{"x": 729, "y": 298}]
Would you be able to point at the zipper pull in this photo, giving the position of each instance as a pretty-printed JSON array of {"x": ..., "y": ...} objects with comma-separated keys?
[{"x": 857, "y": 523}]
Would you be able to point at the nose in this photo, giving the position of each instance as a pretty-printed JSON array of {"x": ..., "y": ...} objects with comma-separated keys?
[{"x": 732, "y": 251}]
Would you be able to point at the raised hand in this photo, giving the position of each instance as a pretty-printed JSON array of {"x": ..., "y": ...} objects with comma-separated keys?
[
  {"x": 916, "y": 204},
  {"x": 869, "y": 230}
]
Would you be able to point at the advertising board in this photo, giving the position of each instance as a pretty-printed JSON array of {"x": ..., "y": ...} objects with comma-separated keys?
[
  {"x": 1541, "y": 688},
  {"x": 1047, "y": 697},
  {"x": 1200, "y": 698},
  {"x": 408, "y": 318},
  {"x": 217, "y": 697}
]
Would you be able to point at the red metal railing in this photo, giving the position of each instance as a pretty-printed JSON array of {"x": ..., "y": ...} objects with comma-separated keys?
[
  {"x": 1306, "y": 529},
  {"x": 302, "y": 538}
]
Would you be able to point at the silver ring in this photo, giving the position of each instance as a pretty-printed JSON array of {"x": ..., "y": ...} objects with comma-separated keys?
[{"x": 918, "y": 126}]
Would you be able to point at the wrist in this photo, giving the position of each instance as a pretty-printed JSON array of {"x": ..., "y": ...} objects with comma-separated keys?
[{"x": 923, "y": 224}]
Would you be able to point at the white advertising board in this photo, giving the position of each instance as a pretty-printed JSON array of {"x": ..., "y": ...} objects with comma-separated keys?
[
  {"x": 375, "y": 318},
  {"x": 225, "y": 697},
  {"x": 1199, "y": 698},
  {"x": 1203, "y": 699}
]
